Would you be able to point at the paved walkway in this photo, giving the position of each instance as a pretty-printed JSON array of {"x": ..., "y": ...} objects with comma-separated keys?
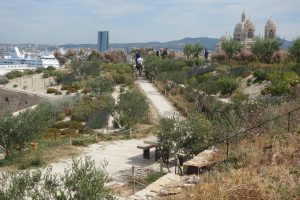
[{"x": 163, "y": 106}]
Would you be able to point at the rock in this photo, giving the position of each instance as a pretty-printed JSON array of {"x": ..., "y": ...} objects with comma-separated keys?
[{"x": 169, "y": 191}]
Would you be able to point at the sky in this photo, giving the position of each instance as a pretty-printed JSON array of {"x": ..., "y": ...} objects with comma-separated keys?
[{"x": 77, "y": 21}]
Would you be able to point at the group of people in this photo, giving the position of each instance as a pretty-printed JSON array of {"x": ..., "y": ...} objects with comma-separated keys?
[{"x": 139, "y": 61}]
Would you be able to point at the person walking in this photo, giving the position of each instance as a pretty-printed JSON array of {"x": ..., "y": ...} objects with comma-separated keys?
[
  {"x": 139, "y": 66},
  {"x": 205, "y": 54}
]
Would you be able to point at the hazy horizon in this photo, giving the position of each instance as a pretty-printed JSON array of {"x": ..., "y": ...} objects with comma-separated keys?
[{"x": 77, "y": 22}]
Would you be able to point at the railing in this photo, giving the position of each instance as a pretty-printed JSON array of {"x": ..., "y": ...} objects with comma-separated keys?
[{"x": 288, "y": 121}]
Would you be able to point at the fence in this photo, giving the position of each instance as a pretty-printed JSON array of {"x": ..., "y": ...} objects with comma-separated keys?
[{"x": 289, "y": 121}]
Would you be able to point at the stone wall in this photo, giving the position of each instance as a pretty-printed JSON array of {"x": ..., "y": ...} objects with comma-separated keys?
[{"x": 13, "y": 101}]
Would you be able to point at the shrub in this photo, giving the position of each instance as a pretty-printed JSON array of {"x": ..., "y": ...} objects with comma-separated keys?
[
  {"x": 223, "y": 69},
  {"x": 46, "y": 74},
  {"x": 260, "y": 76},
  {"x": 50, "y": 68},
  {"x": 3, "y": 80},
  {"x": 280, "y": 88},
  {"x": 97, "y": 120},
  {"x": 15, "y": 85},
  {"x": 14, "y": 74},
  {"x": 227, "y": 85},
  {"x": 68, "y": 124},
  {"x": 51, "y": 90},
  {"x": 245, "y": 56},
  {"x": 280, "y": 56},
  {"x": 219, "y": 56},
  {"x": 39, "y": 70}
]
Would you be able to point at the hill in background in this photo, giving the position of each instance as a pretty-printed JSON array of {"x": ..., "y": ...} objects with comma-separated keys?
[{"x": 209, "y": 43}]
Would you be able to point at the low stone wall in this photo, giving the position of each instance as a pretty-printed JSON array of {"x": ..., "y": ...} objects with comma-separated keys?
[{"x": 14, "y": 101}]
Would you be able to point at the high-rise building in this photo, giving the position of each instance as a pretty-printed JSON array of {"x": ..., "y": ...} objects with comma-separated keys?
[{"x": 103, "y": 41}]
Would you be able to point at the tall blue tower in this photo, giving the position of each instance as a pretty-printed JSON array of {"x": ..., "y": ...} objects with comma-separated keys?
[{"x": 103, "y": 41}]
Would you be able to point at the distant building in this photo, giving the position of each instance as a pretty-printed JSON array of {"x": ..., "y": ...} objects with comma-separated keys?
[
  {"x": 103, "y": 41},
  {"x": 244, "y": 32}
]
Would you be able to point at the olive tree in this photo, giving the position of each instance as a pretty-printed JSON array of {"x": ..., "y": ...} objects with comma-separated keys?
[
  {"x": 16, "y": 131},
  {"x": 231, "y": 47},
  {"x": 82, "y": 181},
  {"x": 132, "y": 108},
  {"x": 265, "y": 48}
]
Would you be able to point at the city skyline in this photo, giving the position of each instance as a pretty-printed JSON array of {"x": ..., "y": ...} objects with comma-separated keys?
[{"x": 77, "y": 21}]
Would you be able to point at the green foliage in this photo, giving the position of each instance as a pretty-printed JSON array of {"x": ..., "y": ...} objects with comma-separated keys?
[
  {"x": 227, "y": 85},
  {"x": 192, "y": 135},
  {"x": 81, "y": 69},
  {"x": 98, "y": 120},
  {"x": 3, "y": 80},
  {"x": 265, "y": 48},
  {"x": 68, "y": 124},
  {"x": 82, "y": 181},
  {"x": 231, "y": 47},
  {"x": 280, "y": 88},
  {"x": 39, "y": 70},
  {"x": 16, "y": 131},
  {"x": 50, "y": 68},
  {"x": 194, "y": 50},
  {"x": 132, "y": 108},
  {"x": 46, "y": 74},
  {"x": 99, "y": 86},
  {"x": 152, "y": 177},
  {"x": 14, "y": 74},
  {"x": 260, "y": 75},
  {"x": 28, "y": 72},
  {"x": 86, "y": 106},
  {"x": 294, "y": 50},
  {"x": 52, "y": 90}
]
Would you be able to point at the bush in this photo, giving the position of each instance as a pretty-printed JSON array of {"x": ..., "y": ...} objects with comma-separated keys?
[
  {"x": 219, "y": 56},
  {"x": 98, "y": 119},
  {"x": 39, "y": 70},
  {"x": 279, "y": 89},
  {"x": 50, "y": 68},
  {"x": 245, "y": 56},
  {"x": 14, "y": 74},
  {"x": 260, "y": 76},
  {"x": 227, "y": 85},
  {"x": 15, "y": 85},
  {"x": 3, "y": 80},
  {"x": 68, "y": 124},
  {"x": 280, "y": 56},
  {"x": 46, "y": 74},
  {"x": 52, "y": 91}
]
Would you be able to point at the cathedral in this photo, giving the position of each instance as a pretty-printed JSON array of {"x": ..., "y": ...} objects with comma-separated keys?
[{"x": 244, "y": 32}]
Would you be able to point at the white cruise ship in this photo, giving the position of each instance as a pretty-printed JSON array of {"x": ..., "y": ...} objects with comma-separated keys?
[{"x": 16, "y": 61}]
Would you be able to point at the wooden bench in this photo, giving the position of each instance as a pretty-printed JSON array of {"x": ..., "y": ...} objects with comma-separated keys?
[{"x": 146, "y": 150}]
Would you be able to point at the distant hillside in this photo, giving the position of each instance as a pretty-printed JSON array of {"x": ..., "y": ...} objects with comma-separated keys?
[{"x": 209, "y": 43}]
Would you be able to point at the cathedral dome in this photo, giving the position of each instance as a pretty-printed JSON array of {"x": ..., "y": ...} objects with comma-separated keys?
[{"x": 249, "y": 23}]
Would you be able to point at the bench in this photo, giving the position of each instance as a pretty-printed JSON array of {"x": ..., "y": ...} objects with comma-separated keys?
[{"x": 146, "y": 150}]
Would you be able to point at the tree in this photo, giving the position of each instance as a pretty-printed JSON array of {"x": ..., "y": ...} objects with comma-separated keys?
[
  {"x": 82, "y": 181},
  {"x": 231, "y": 47},
  {"x": 188, "y": 50},
  {"x": 265, "y": 48},
  {"x": 197, "y": 49},
  {"x": 132, "y": 108},
  {"x": 16, "y": 131},
  {"x": 294, "y": 50}
]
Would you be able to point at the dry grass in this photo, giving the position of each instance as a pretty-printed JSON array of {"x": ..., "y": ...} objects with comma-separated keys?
[{"x": 267, "y": 168}]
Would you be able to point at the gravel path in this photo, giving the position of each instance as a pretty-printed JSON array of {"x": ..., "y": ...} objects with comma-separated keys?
[{"x": 163, "y": 106}]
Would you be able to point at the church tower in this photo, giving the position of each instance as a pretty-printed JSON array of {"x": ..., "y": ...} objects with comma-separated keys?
[{"x": 270, "y": 29}]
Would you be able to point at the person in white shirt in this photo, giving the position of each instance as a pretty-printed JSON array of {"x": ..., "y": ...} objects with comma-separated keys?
[{"x": 139, "y": 65}]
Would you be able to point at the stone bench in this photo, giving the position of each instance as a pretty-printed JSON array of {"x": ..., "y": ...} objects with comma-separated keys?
[{"x": 146, "y": 149}]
